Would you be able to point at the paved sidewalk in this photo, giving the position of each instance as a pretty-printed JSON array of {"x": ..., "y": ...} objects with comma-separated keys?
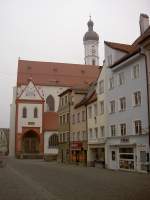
[{"x": 39, "y": 180}]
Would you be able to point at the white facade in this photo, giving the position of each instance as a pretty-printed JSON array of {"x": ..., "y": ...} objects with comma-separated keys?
[
  {"x": 12, "y": 125},
  {"x": 126, "y": 114}
]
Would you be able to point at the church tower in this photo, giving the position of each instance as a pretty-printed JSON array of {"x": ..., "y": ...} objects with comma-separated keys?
[{"x": 91, "y": 42}]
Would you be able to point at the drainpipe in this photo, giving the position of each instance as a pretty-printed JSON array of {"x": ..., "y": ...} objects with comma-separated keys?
[
  {"x": 69, "y": 129},
  {"x": 86, "y": 132},
  {"x": 148, "y": 106}
]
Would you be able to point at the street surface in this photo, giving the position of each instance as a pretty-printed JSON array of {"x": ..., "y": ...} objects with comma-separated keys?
[{"x": 39, "y": 180}]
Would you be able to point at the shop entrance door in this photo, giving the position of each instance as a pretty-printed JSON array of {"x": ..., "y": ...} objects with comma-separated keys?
[{"x": 113, "y": 159}]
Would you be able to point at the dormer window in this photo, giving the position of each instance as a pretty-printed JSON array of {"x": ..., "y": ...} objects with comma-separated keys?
[{"x": 24, "y": 112}]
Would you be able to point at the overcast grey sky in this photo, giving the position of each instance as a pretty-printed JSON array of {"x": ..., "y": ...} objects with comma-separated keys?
[{"x": 52, "y": 30}]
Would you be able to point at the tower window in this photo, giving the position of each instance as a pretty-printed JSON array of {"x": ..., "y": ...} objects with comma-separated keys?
[{"x": 93, "y": 62}]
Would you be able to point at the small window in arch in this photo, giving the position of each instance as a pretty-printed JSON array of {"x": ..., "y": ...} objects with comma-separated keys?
[
  {"x": 35, "y": 113},
  {"x": 50, "y": 103},
  {"x": 24, "y": 112}
]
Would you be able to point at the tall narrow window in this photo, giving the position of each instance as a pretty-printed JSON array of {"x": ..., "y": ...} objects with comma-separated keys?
[
  {"x": 113, "y": 130},
  {"x": 112, "y": 106},
  {"x": 111, "y": 83},
  {"x": 35, "y": 113},
  {"x": 138, "y": 127},
  {"x": 123, "y": 129},
  {"x": 137, "y": 98},
  {"x": 101, "y": 107},
  {"x": 122, "y": 104},
  {"x": 24, "y": 112},
  {"x": 121, "y": 78},
  {"x": 50, "y": 103},
  {"x": 135, "y": 72}
]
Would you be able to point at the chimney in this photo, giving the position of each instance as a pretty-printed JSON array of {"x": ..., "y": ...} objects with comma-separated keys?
[{"x": 144, "y": 22}]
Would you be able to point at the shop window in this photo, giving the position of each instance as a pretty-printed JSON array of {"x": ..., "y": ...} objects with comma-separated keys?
[
  {"x": 50, "y": 103},
  {"x": 24, "y": 112}
]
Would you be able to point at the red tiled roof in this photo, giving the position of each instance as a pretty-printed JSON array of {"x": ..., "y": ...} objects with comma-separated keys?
[
  {"x": 57, "y": 74},
  {"x": 50, "y": 121},
  {"x": 118, "y": 46}
]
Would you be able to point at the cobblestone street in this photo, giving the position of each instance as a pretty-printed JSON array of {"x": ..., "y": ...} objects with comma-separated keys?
[{"x": 38, "y": 180}]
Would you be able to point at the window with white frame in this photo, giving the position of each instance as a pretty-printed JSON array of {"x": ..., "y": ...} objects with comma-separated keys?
[
  {"x": 138, "y": 127},
  {"x": 136, "y": 71},
  {"x": 121, "y": 78},
  {"x": 112, "y": 106},
  {"x": 111, "y": 83},
  {"x": 122, "y": 104},
  {"x": 113, "y": 130},
  {"x": 95, "y": 109},
  {"x": 137, "y": 98},
  {"x": 102, "y": 131},
  {"x": 123, "y": 129},
  {"x": 90, "y": 111},
  {"x": 101, "y": 107},
  {"x": 101, "y": 87}
]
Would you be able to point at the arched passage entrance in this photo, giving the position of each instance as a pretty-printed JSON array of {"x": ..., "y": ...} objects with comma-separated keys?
[{"x": 31, "y": 142}]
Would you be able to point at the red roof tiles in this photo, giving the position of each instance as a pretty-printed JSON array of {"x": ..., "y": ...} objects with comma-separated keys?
[{"x": 56, "y": 74}]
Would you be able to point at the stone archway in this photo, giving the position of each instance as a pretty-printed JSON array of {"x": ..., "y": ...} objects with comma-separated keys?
[{"x": 31, "y": 142}]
